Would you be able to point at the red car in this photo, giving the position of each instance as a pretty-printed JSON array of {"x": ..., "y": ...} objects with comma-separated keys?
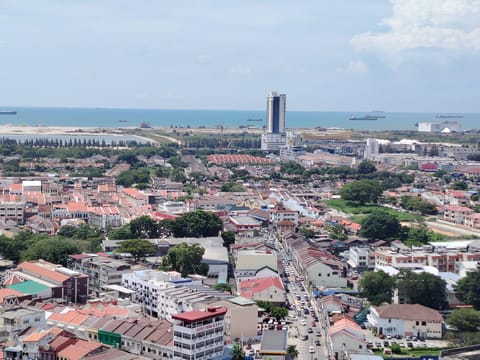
[
  {"x": 381, "y": 336},
  {"x": 314, "y": 324}
]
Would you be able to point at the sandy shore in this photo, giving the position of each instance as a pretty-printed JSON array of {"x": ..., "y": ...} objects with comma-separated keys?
[{"x": 53, "y": 130}]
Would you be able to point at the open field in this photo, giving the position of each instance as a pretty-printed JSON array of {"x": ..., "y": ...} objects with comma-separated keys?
[{"x": 360, "y": 211}]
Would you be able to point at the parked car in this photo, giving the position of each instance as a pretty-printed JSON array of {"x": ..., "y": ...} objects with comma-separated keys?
[
  {"x": 381, "y": 336},
  {"x": 311, "y": 349},
  {"x": 318, "y": 343},
  {"x": 304, "y": 337},
  {"x": 309, "y": 330},
  {"x": 318, "y": 333}
]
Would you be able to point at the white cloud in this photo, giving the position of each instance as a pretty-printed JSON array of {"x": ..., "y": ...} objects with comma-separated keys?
[
  {"x": 425, "y": 24},
  {"x": 354, "y": 68},
  {"x": 240, "y": 70}
]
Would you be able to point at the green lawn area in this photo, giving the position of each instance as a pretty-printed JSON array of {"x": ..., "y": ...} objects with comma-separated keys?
[
  {"x": 360, "y": 211},
  {"x": 409, "y": 353}
]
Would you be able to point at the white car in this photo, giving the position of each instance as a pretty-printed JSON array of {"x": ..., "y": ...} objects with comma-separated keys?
[
  {"x": 311, "y": 349},
  {"x": 303, "y": 322}
]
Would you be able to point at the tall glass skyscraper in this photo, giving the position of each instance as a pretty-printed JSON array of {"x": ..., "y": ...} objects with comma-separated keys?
[
  {"x": 275, "y": 136},
  {"x": 276, "y": 113}
]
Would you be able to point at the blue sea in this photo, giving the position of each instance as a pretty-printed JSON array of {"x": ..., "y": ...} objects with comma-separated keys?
[{"x": 108, "y": 118}]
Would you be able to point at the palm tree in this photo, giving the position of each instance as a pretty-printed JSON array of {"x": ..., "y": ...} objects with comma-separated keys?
[
  {"x": 292, "y": 351},
  {"x": 237, "y": 352}
]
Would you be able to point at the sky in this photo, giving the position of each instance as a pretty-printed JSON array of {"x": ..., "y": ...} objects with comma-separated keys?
[{"x": 342, "y": 55}]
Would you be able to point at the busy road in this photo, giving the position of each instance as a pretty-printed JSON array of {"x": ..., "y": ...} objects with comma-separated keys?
[{"x": 306, "y": 328}]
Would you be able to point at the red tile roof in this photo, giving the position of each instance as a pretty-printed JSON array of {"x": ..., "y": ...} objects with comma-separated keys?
[
  {"x": 78, "y": 350},
  {"x": 43, "y": 270},
  {"x": 197, "y": 315},
  {"x": 260, "y": 284},
  {"x": 5, "y": 292}
]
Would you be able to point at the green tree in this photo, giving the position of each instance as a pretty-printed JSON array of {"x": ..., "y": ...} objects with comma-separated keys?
[
  {"x": 337, "y": 232},
  {"x": 366, "y": 167},
  {"x": 292, "y": 352},
  {"x": 232, "y": 187},
  {"x": 291, "y": 168},
  {"x": 279, "y": 313},
  {"x": 308, "y": 233},
  {"x": 468, "y": 289},
  {"x": 122, "y": 233},
  {"x": 418, "y": 204},
  {"x": 67, "y": 231},
  {"x": 361, "y": 191},
  {"x": 377, "y": 287},
  {"x": 228, "y": 238},
  {"x": 144, "y": 227},
  {"x": 237, "y": 352},
  {"x": 185, "y": 259},
  {"x": 138, "y": 248},
  {"x": 197, "y": 223},
  {"x": 423, "y": 288},
  {"x": 464, "y": 320},
  {"x": 55, "y": 250},
  {"x": 420, "y": 235},
  {"x": 267, "y": 305},
  {"x": 12, "y": 248},
  {"x": 380, "y": 224},
  {"x": 460, "y": 185}
]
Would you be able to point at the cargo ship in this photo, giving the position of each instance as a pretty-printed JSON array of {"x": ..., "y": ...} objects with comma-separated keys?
[
  {"x": 8, "y": 112},
  {"x": 449, "y": 116},
  {"x": 365, "y": 117}
]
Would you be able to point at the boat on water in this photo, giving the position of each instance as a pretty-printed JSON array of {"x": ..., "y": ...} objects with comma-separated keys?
[
  {"x": 122, "y": 120},
  {"x": 8, "y": 112},
  {"x": 449, "y": 116},
  {"x": 365, "y": 117}
]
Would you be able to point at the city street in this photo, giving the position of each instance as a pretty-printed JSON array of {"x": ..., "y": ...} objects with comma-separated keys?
[{"x": 305, "y": 332}]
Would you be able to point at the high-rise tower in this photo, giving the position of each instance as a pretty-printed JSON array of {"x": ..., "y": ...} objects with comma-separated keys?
[
  {"x": 275, "y": 136},
  {"x": 276, "y": 113}
]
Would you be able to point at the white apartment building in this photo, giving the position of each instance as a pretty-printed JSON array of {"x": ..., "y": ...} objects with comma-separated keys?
[
  {"x": 361, "y": 258},
  {"x": 184, "y": 298},
  {"x": 278, "y": 215},
  {"x": 199, "y": 335},
  {"x": 148, "y": 283},
  {"x": 104, "y": 217}
]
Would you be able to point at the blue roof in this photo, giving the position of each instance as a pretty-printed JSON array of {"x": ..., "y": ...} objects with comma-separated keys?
[{"x": 338, "y": 291}]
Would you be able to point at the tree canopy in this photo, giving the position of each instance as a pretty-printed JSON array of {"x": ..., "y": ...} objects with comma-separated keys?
[
  {"x": 468, "y": 289},
  {"x": 377, "y": 287},
  {"x": 418, "y": 204},
  {"x": 144, "y": 227},
  {"x": 186, "y": 259},
  {"x": 232, "y": 187},
  {"x": 237, "y": 352},
  {"x": 380, "y": 224},
  {"x": 228, "y": 238},
  {"x": 464, "y": 320},
  {"x": 55, "y": 250},
  {"x": 197, "y": 223},
  {"x": 422, "y": 288},
  {"x": 366, "y": 167},
  {"x": 138, "y": 248},
  {"x": 362, "y": 191}
]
